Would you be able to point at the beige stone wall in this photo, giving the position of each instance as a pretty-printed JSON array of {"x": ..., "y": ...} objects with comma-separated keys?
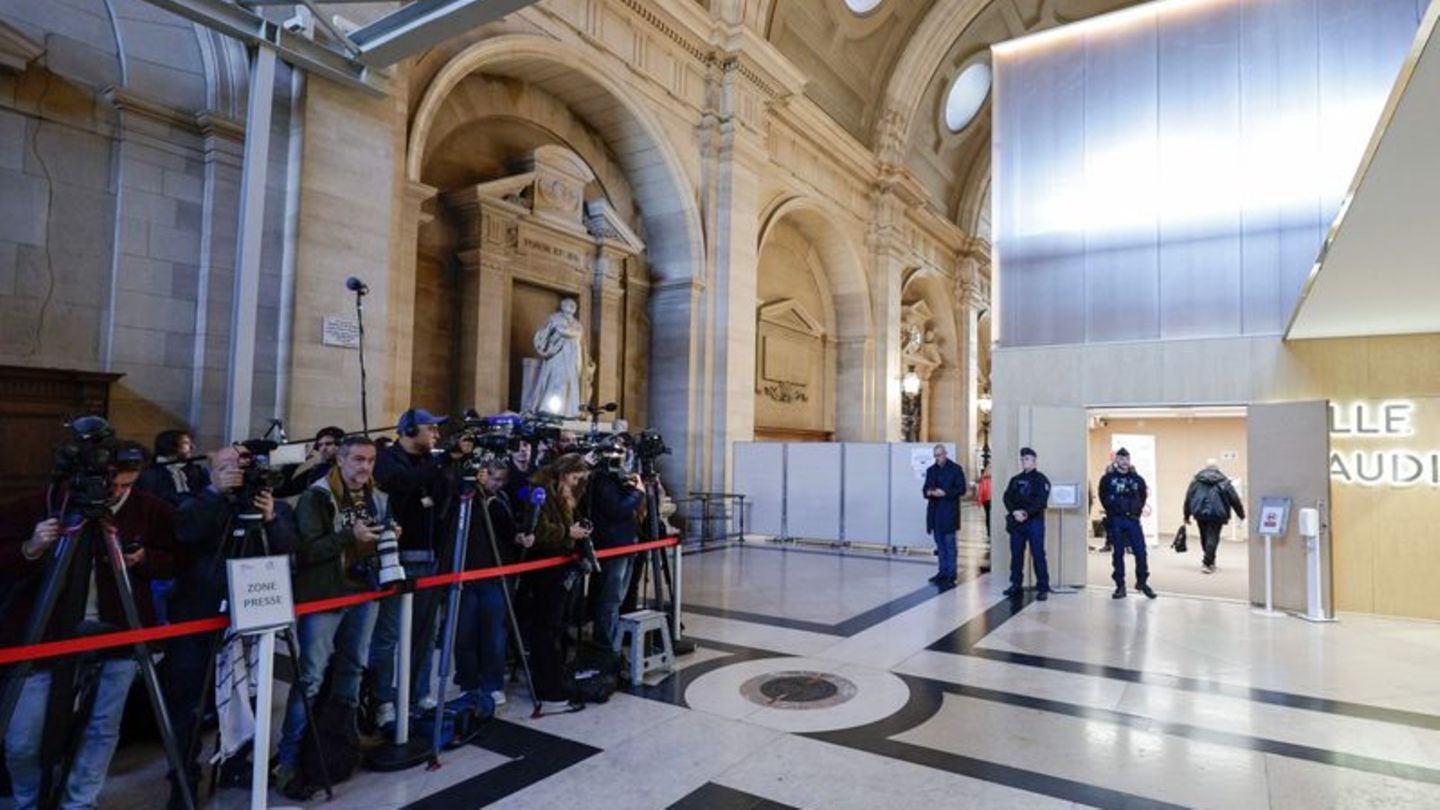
[{"x": 790, "y": 270}]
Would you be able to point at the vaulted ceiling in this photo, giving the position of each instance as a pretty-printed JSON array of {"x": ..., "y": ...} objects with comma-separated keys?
[{"x": 850, "y": 60}]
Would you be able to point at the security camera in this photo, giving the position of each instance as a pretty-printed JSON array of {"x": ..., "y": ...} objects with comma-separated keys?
[{"x": 303, "y": 23}]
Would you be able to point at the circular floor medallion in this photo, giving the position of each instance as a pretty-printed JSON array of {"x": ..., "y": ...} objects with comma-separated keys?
[{"x": 798, "y": 689}]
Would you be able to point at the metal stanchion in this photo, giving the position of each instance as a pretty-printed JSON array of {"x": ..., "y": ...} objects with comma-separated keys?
[{"x": 264, "y": 695}]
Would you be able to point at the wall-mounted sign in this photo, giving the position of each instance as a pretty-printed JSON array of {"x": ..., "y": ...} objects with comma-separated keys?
[
  {"x": 1374, "y": 444},
  {"x": 336, "y": 330}
]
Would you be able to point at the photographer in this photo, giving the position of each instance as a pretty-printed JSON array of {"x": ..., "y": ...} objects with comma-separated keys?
[
  {"x": 44, "y": 723},
  {"x": 339, "y": 521},
  {"x": 318, "y": 461},
  {"x": 559, "y": 529},
  {"x": 421, "y": 486},
  {"x": 482, "y": 628},
  {"x": 174, "y": 476},
  {"x": 203, "y": 527},
  {"x": 615, "y": 498}
]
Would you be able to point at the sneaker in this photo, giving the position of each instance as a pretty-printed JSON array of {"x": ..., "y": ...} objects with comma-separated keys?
[
  {"x": 1041, "y": 596},
  {"x": 1119, "y": 592},
  {"x": 1205, "y": 569},
  {"x": 498, "y": 696},
  {"x": 385, "y": 715},
  {"x": 1147, "y": 590},
  {"x": 557, "y": 707}
]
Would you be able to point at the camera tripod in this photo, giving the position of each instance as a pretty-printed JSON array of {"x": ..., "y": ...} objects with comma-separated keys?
[
  {"x": 468, "y": 493},
  {"x": 84, "y": 531},
  {"x": 245, "y": 536}
]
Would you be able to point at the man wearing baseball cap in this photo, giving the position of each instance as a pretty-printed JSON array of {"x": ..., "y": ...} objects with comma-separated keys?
[
  {"x": 422, "y": 487},
  {"x": 1026, "y": 497},
  {"x": 1123, "y": 494}
]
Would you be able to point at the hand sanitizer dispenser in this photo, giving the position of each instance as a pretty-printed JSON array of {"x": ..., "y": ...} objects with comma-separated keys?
[{"x": 1309, "y": 526}]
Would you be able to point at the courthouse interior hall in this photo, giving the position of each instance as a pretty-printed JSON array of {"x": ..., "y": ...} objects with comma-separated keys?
[{"x": 719, "y": 404}]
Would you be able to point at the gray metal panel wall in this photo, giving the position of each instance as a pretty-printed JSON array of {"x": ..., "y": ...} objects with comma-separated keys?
[
  {"x": 812, "y": 490},
  {"x": 867, "y": 492},
  {"x": 760, "y": 475}
]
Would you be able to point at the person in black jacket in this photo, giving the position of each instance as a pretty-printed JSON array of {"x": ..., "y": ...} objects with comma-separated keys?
[
  {"x": 1026, "y": 497},
  {"x": 1211, "y": 499},
  {"x": 422, "y": 486},
  {"x": 318, "y": 463},
  {"x": 203, "y": 531},
  {"x": 614, "y": 499},
  {"x": 1123, "y": 494},
  {"x": 944, "y": 486},
  {"x": 482, "y": 627},
  {"x": 174, "y": 476}
]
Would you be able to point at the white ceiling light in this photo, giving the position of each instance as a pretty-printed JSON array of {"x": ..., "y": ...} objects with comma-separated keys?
[
  {"x": 966, "y": 95},
  {"x": 862, "y": 6}
]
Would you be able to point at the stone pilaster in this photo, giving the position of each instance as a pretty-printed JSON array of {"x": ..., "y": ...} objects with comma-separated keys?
[
  {"x": 607, "y": 323},
  {"x": 400, "y": 330}
]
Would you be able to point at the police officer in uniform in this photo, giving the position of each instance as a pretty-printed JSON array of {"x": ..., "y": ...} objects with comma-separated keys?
[
  {"x": 1123, "y": 494},
  {"x": 1025, "y": 498}
]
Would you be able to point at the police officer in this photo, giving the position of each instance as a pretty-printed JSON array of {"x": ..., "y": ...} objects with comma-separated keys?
[
  {"x": 1123, "y": 494},
  {"x": 1026, "y": 497}
]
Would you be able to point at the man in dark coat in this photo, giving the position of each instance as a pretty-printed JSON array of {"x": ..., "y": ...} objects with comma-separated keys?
[
  {"x": 944, "y": 486},
  {"x": 1210, "y": 500},
  {"x": 1026, "y": 497},
  {"x": 1123, "y": 493}
]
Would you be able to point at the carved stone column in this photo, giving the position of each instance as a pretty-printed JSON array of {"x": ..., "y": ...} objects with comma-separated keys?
[
  {"x": 891, "y": 255},
  {"x": 607, "y": 323},
  {"x": 971, "y": 299},
  {"x": 400, "y": 326},
  {"x": 485, "y": 294}
]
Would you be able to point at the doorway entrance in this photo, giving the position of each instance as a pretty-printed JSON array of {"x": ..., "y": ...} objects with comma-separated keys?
[{"x": 1168, "y": 446}]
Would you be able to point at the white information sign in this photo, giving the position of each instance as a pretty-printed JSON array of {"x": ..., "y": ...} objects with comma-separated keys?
[
  {"x": 339, "y": 331},
  {"x": 1064, "y": 496},
  {"x": 260, "y": 596},
  {"x": 921, "y": 459}
]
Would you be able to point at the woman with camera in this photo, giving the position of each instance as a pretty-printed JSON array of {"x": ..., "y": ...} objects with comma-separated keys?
[{"x": 553, "y": 590}]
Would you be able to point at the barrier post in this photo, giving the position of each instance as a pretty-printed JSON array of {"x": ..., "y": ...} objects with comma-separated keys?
[
  {"x": 402, "y": 670},
  {"x": 264, "y": 695}
]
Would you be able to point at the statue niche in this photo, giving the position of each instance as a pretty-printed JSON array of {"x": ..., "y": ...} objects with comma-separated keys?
[{"x": 553, "y": 291}]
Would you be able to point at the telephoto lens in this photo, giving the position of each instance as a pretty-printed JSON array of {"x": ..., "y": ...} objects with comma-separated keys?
[{"x": 387, "y": 549}]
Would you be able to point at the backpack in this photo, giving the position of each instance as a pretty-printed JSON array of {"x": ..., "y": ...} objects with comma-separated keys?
[
  {"x": 338, "y": 754},
  {"x": 594, "y": 675}
]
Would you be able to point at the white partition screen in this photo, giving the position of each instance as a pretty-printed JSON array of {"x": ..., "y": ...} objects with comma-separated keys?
[
  {"x": 812, "y": 491},
  {"x": 867, "y": 493},
  {"x": 759, "y": 473},
  {"x": 1169, "y": 170}
]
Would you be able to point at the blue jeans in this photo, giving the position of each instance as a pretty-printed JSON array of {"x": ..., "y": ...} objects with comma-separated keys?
[
  {"x": 480, "y": 637},
  {"x": 387, "y": 638},
  {"x": 1030, "y": 533},
  {"x": 945, "y": 549},
  {"x": 614, "y": 583},
  {"x": 1126, "y": 533},
  {"x": 346, "y": 634},
  {"x": 98, "y": 740}
]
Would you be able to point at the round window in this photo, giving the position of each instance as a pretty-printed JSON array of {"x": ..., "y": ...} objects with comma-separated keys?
[{"x": 966, "y": 95}]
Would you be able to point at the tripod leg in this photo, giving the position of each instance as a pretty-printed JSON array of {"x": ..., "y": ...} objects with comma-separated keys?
[
  {"x": 311, "y": 731},
  {"x": 510, "y": 610},
  {"x": 147, "y": 667}
]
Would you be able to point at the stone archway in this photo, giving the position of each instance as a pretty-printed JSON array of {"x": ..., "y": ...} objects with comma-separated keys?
[
  {"x": 663, "y": 195},
  {"x": 848, "y": 299}
]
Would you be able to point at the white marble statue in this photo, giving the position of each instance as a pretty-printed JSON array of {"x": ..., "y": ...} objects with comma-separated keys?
[{"x": 558, "y": 386}]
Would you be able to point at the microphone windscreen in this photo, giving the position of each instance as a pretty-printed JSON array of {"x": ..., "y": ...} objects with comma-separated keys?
[{"x": 354, "y": 284}]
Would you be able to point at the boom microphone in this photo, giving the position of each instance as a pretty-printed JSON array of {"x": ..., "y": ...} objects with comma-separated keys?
[{"x": 355, "y": 285}]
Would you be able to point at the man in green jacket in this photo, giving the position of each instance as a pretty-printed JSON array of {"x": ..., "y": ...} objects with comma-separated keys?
[{"x": 339, "y": 517}]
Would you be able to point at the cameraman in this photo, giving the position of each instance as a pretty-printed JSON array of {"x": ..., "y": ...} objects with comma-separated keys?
[
  {"x": 482, "y": 630},
  {"x": 615, "y": 499},
  {"x": 203, "y": 527},
  {"x": 339, "y": 521},
  {"x": 174, "y": 476},
  {"x": 318, "y": 463},
  {"x": 556, "y": 534},
  {"x": 143, "y": 525},
  {"x": 421, "y": 485}
]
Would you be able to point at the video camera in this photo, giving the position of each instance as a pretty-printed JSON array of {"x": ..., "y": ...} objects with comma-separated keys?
[
  {"x": 86, "y": 463},
  {"x": 258, "y": 474}
]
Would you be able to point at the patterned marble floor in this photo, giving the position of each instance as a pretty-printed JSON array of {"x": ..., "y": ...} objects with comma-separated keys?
[{"x": 826, "y": 681}]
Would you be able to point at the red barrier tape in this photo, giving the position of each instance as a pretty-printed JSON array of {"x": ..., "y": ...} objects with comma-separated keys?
[{"x": 52, "y": 649}]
